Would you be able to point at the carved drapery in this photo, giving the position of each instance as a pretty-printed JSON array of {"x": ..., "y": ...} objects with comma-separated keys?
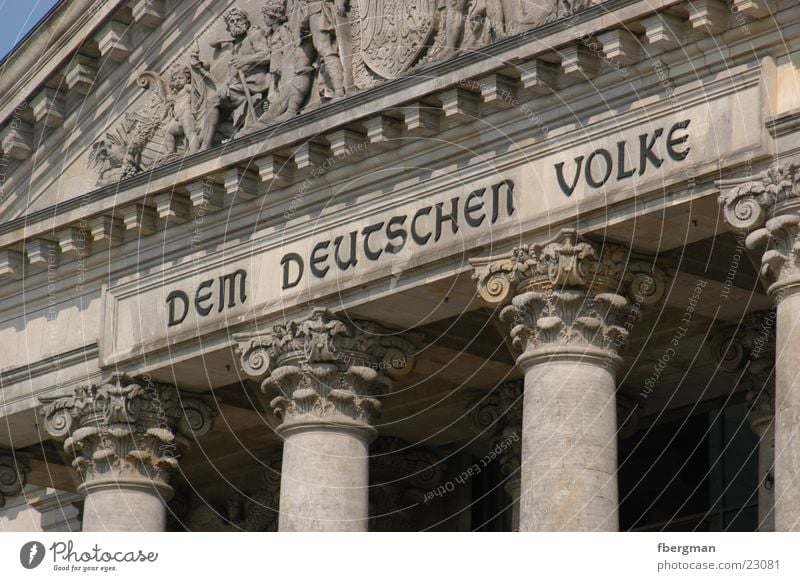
[
  {"x": 325, "y": 368},
  {"x": 569, "y": 291},
  {"x": 126, "y": 429},
  {"x": 274, "y": 64}
]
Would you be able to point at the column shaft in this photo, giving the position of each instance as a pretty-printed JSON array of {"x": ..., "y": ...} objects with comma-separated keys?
[
  {"x": 325, "y": 480},
  {"x": 569, "y": 450},
  {"x": 787, "y": 412},
  {"x": 123, "y": 509}
]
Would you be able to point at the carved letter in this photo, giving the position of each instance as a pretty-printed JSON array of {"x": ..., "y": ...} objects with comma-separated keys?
[
  {"x": 441, "y": 218},
  {"x": 589, "y": 177},
  {"x": 315, "y": 260},
  {"x": 352, "y": 260},
  {"x": 199, "y": 299},
  {"x": 367, "y": 232},
  {"x": 622, "y": 173},
  {"x": 509, "y": 185},
  {"x": 398, "y": 232},
  {"x": 672, "y": 141},
  {"x": 421, "y": 240},
  {"x": 171, "y": 298},
  {"x": 231, "y": 289},
  {"x": 560, "y": 176},
  {"x": 285, "y": 262},
  {"x": 470, "y": 208},
  {"x": 646, "y": 151}
]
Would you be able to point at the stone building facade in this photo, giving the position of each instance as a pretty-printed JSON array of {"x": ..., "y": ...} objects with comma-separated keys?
[{"x": 401, "y": 265}]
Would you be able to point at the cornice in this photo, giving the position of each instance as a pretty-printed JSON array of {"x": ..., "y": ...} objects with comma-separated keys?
[{"x": 27, "y": 68}]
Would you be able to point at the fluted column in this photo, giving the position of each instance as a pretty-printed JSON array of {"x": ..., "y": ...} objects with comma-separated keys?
[
  {"x": 125, "y": 436},
  {"x": 571, "y": 304},
  {"x": 326, "y": 373},
  {"x": 498, "y": 416},
  {"x": 747, "y": 349},
  {"x": 767, "y": 208}
]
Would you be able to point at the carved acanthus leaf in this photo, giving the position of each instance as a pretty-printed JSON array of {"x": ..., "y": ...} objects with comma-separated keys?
[
  {"x": 747, "y": 204},
  {"x": 125, "y": 427},
  {"x": 324, "y": 366}
]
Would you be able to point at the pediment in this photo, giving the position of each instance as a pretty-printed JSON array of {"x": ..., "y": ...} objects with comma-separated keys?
[{"x": 147, "y": 82}]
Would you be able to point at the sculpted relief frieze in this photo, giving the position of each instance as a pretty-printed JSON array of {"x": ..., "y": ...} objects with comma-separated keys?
[{"x": 270, "y": 60}]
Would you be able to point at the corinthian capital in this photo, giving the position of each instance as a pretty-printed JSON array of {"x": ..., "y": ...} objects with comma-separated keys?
[
  {"x": 13, "y": 469},
  {"x": 125, "y": 427},
  {"x": 569, "y": 291},
  {"x": 569, "y": 261},
  {"x": 747, "y": 203},
  {"x": 325, "y": 367}
]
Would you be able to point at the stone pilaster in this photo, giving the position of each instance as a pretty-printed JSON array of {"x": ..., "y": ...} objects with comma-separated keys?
[
  {"x": 327, "y": 374},
  {"x": 13, "y": 470},
  {"x": 571, "y": 304},
  {"x": 498, "y": 417},
  {"x": 126, "y": 437},
  {"x": 748, "y": 350},
  {"x": 767, "y": 209}
]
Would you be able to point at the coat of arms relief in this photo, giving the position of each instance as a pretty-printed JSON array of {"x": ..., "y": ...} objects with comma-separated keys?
[{"x": 278, "y": 58}]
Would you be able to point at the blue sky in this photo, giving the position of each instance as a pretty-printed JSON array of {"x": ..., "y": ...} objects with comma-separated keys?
[{"x": 17, "y": 17}]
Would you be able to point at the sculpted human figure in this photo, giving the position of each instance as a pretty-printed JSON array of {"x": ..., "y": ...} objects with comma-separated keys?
[
  {"x": 451, "y": 17},
  {"x": 247, "y": 74},
  {"x": 290, "y": 66},
  {"x": 320, "y": 18},
  {"x": 486, "y": 23},
  {"x": 181, "y": 121}
]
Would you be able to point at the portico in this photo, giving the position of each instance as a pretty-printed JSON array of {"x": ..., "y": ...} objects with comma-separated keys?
[{"x": 377, "y": 295}]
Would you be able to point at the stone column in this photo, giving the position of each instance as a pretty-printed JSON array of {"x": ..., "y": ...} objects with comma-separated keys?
[
  {"x": 747, "y": 349},
  {"x": 499, "y": 416},
  {"x": 767, "y": 208},
  {"x": 570, "y": 308},
  {"x": 327, "y": 373},
  {"x": 125, "y": 437}
]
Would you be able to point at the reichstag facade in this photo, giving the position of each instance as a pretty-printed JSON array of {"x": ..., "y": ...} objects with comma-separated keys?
[{"x": 401, "y": 265}]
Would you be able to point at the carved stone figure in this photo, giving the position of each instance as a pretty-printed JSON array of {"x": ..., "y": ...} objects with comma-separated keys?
[
  {"x": 486, "y": 23},
  {"x": 324, "y": 21},
  {"x": 308, "y": 51},
  {"x": 183, "y": 111},
  {"x": 247, "y": 79},
  {"x": 291, "y": 63}
]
